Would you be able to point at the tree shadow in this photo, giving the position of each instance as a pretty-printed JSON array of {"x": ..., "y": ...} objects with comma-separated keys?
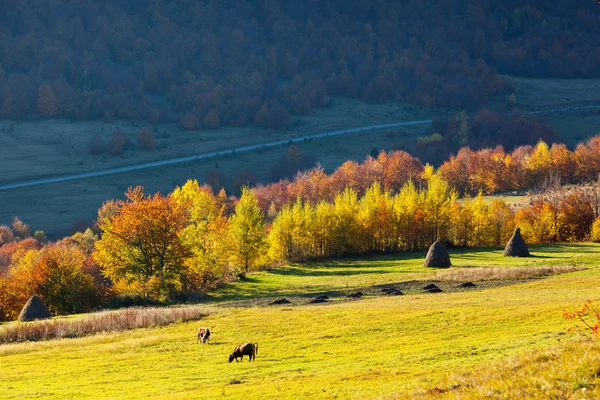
[{"x": 325, "y": 271}]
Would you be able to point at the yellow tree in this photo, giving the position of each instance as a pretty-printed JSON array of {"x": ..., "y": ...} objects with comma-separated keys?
[
  {"x": 141, "y": 245},
  {"x": 281, "y": 236},
  {"x": 437, "y": 202},
  {"x": 347, "y": 230},
  {"x": 482, "y": 224},
  {"x": 503, "y": 223},
  {"x": 461, "y": 217},
  {"x": 408, "y": 215},
  {"x": 247, "y": 233},
  {"x": 205, "y": 234},
  {"x": 321, "y": 228},
  {"x": 376, "y": 217},
  {"x": 538, "y": 165},
  {"x": 595, "y": 235}
]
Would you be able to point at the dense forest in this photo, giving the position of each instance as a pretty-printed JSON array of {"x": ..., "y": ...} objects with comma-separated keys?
[{"x": 212, "y": 63}]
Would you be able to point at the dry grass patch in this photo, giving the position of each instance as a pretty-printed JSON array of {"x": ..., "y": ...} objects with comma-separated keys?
[
  {"x": 478, "y": 274},
  {"x": 106, "y": 321},
  {"x": 566, "y": 371}
]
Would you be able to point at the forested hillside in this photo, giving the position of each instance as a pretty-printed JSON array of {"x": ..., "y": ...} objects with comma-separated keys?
[{"x": 213, "y": 63}]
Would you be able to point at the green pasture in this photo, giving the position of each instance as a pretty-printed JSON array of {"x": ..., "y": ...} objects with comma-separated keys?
[{"x": 369, "y": 348}]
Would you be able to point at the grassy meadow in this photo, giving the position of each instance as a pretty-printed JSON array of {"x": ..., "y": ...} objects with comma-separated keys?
[{"x": 374, "y": 347}]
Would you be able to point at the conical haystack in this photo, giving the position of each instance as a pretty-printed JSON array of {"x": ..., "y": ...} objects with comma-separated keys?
[
  {"x": 34, "y": 309},
  {"x": 437, "y": 257},
  {"x": 516, "y": 246}
]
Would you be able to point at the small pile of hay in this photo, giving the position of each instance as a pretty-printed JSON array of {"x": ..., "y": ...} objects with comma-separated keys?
[
  {"x": 34, "y": 309},
  {"x": 468, "y": 285},
  {"x": 431, "y": 288},
  {"x": 355, "y": 295},
  {"x": 516, "y": 246},
  {"x": 318, "y": 300},
  {"x": 280, "y": 301},
  {"x": 437, "y": 257},
  {"x": 392, "y": 292}
]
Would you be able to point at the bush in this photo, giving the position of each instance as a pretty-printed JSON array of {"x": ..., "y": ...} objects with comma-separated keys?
[
  {"x": 145, "y": 138},
  {"x": 115, "y": 146}
]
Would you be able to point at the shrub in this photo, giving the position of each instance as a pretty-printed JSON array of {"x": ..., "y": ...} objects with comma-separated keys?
[
  {"x": 115, "y": 146},
  {"x": 145, "y": 138},
  {"x": 20, "y": 228},
  {"x": 588, "y": 315}
]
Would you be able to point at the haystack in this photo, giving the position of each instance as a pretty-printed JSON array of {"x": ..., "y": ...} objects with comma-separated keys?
[
  {"x": 516, "y": 246},
  {"x": 34, "y": 309},
  {"x": 437, "y": 257}
]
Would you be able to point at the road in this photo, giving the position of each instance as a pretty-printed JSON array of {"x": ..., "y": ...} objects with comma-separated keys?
[
  {"x": 202, "y": 156},
  {"x": 241, "y": 149}
]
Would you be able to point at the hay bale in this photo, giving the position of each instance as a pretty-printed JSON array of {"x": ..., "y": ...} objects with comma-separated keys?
[
  {"x": 280, "y": 301},
  {"x": 34, "y": 309},
  {"x": 516, "y": 246},
  {"x": 437, "y": 256},
  {"x": 468, "y": 285}
]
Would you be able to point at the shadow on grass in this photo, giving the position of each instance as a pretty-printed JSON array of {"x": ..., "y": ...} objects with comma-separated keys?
[{"x": 325, "y": 271}]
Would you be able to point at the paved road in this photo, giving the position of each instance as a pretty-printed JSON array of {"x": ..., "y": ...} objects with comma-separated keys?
[{"x": 241, "y": 149}]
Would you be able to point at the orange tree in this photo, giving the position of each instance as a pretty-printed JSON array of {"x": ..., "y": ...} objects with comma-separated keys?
[{"x": 140, "y": 249}]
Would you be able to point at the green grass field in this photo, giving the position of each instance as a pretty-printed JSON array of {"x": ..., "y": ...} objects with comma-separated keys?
[{"x": 375, "y": 347}]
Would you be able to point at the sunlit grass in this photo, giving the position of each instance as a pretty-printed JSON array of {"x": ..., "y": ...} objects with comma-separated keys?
[
  {"x": 353, "y": 273},
  {"x": 376, "y": 347}
]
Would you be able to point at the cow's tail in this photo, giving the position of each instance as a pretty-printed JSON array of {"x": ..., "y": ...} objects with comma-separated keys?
[{"x": 255, "y": 349}]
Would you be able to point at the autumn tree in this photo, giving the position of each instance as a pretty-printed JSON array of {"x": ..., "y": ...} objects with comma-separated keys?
[
  {"x": 595, "y": 234},
  {"x": 205, "y": 234},
  {"x": 145, "y": 138},
  {"x": 141, "y": 246},
  {"x": 117, "y": 141},
  {"x": 20, "y": 228},
  {"x": 65, "y": 287},
  {"x": 247, "y": 233},
  {"x": 47, "y": 101}
]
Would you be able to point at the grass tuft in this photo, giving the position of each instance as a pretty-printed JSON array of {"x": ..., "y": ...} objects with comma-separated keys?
[
  {"x": 106, "y": 321},
  {"x": 478, "y": 274}
]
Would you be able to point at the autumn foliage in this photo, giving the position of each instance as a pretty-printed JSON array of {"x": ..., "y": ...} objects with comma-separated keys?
[
  {"x": 164, "y": 248},
  {"x": 587, "y": 315},
  {"x": 140, "y": 247},
  {"x": 260, "y": 61}
]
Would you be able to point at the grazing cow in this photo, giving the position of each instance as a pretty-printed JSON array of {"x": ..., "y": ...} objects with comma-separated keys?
[
  {"x": 203, "y": 335},
  {"x": 241, "y": 350}
]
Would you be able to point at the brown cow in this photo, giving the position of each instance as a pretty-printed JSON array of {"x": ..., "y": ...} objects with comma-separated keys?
[
  {"x": 203, "y": 335},
  {"x": 246, "y": 349}
]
